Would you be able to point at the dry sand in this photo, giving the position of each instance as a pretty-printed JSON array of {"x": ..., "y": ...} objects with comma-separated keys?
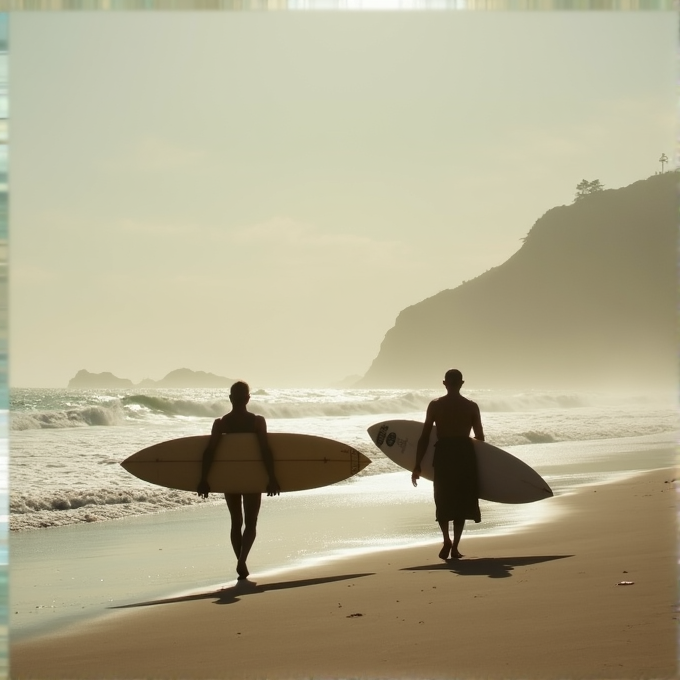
[{"x": 540, "y": 604}]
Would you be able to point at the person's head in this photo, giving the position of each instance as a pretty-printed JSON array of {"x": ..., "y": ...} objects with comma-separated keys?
[
  {"x": 239, "y": 394},
  {"x": 453, "y": 379}
]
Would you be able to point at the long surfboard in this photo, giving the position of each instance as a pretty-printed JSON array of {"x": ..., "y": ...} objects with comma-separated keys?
[
  {"x": 503, "y": 478},
  {"x": 300, "y": 462}
]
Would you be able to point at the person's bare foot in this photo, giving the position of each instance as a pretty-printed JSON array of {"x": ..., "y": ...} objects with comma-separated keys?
[
  {"x": 444, "y": 552},
  {"x": 242, "y": 571},
  {"x": 455, "y": 554}
]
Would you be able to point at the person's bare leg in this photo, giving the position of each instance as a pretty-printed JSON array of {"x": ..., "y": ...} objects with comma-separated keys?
[
  {"x": 458, "y": 526},
  {"x": 444, "y": 552},
  {"x": 251, "y": 509},
  {"x": 234, "y": 505}
]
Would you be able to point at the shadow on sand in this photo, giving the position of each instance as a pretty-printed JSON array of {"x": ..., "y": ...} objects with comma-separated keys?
[
  {"x": 245, "y": 587},
  {"x": 493, "y": 567}
]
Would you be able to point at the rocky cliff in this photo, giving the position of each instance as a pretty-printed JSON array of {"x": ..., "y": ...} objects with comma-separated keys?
[{"x": 589, "y": 300}]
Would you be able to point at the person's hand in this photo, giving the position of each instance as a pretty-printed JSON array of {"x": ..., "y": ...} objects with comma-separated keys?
[
  {"x": 273, "y": 488},
  {"x": 415, "y": 476},
  {"x": 203, "y": 489}
]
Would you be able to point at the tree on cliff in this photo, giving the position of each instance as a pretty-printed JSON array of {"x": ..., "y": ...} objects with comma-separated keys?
[{"x": 584, "y": 187}]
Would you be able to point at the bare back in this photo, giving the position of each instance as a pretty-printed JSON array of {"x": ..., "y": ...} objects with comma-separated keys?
[
  {"x": 452, "y": 414},
  {"x": 455, "y": 416}
]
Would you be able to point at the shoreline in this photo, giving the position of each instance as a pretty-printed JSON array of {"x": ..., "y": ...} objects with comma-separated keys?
[
  {"x": 75, "y": 574},
  {"x": 539, "y": 603},
  {"x": 611, "y": 454}
]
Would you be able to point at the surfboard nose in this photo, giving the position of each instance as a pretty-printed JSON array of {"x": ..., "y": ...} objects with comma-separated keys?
[
  {"x": 374, "y": 431},
  {"x": 378, "y": 431}
]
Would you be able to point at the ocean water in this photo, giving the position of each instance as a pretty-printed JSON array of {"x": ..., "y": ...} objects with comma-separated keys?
[
  {"x": 87, "y": 538},
  {"x": 66, "y": 445}
]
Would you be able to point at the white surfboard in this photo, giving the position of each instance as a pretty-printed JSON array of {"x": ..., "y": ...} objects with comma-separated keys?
[
  {"x": 503, "y": 478},
  {"x": 300, "y": 462}
]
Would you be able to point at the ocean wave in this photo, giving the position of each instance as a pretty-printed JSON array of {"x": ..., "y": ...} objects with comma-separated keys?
[
  {"x": 36, "y": 506},
  {"x": 499, "y": 434},
  {"x": 532, "y": 401},
  {"x": 141, "y": 408},
  {"x": 289, "y": 404},
  {"x": 105, "y": 415},
  {"x": 177, "y": 407},
  {"x": 64, "y": 507},
  {"x": 407, "y": 403}
]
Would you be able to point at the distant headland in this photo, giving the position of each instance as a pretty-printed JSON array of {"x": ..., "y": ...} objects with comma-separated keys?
[
  {"x": 182, "y": 377},
  {"x": 588, "y": 301}
]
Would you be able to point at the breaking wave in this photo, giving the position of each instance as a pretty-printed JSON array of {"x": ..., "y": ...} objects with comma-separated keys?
[
  {"x": 106, "y": 415},
  {"x": 176, "y": 407},
  {"x": 65, "y": 507},
  {"x": 284, "y": 404}
]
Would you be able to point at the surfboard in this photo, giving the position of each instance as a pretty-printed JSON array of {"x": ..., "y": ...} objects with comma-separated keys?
[
  {"x": 300, "y": 462},
  {"x": 503, "y": 478}
]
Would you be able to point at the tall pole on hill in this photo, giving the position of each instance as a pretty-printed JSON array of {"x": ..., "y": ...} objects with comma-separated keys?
[{"x": 663, "y": 160}]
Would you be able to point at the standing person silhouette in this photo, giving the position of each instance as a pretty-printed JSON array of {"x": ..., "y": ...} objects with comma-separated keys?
[
  {"x": 239, "y": 419},
  {"x": 455, "y": 462}
]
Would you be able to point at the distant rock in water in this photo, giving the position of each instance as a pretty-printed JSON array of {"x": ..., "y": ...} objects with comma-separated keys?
[
  {"x": 86, "y": 380},
  {"x": 589, "y": 301},
  {"x": 182, "y": 377}
]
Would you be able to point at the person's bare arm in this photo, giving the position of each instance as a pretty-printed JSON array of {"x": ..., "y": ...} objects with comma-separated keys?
[
  {"x": 423, "y": 442},
  {"x": 203, "y": 488},
  {"x": 273, "y": 488},
  {"x": 477, "y": 423}
]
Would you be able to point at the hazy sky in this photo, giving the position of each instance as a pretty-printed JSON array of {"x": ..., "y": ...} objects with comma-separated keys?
[{"x": 259, "y": 194}]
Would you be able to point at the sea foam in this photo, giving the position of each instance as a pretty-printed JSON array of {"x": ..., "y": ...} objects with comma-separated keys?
[{"x": 66, "y": 445}]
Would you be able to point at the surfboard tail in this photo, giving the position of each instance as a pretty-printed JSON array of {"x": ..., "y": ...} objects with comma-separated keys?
[{"x": 357, "y": 461}]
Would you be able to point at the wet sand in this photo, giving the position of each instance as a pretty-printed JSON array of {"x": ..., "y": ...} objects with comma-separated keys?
[{"x": 542, "y": 603}]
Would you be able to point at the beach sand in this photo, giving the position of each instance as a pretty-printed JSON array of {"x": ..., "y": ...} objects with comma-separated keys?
[{"x": 543, "y": 603}]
